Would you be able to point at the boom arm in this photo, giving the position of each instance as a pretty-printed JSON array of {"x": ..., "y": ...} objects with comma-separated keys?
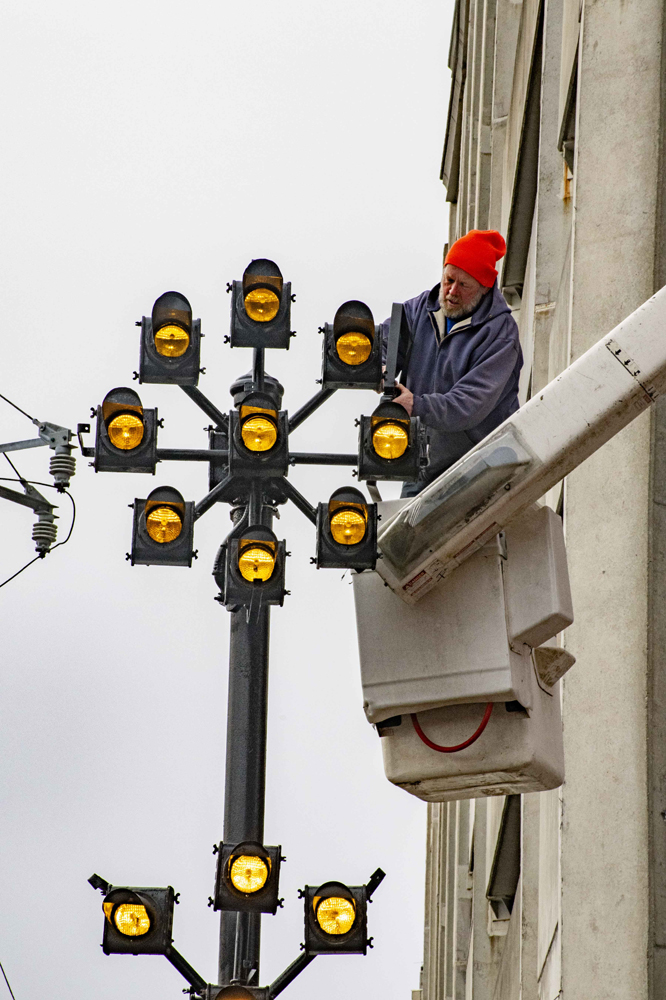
[{"x": 573, "y": 416}]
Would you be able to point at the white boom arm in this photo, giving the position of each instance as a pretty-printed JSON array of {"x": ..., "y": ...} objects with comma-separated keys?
[{"x": 573, "y": 416}]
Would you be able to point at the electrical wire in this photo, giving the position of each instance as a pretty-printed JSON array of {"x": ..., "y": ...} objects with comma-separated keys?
[
  {"x": 461, "y": 746},
  {"x": 71, "y": 527},
  {"x": 18, "y": 408},
  {"x": 51, "y": 486},
  {"x": 13, "y": 577},
  {"x": 14, "y": 467},
  {"x": 7, "y": 981}
]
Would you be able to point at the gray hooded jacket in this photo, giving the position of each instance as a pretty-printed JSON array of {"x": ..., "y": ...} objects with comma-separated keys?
[{"x": 465, "y": 385}]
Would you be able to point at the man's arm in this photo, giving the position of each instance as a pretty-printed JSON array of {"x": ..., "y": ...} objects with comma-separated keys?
[{"x": 473, "y": 396}]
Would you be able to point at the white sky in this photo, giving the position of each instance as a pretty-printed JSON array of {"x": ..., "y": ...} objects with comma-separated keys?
[{"x": 152, "y": 146}]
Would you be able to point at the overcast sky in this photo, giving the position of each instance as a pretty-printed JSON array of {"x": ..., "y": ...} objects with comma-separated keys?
[{"x": 148, "y": 146}]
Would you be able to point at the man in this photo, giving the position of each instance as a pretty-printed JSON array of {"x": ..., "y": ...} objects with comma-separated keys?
[{"x": 461, "y": 362}]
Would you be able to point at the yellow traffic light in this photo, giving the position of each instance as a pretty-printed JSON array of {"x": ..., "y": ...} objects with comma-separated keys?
[
  {"x": 348, "y": 525},
  {"x": 259, "y": 433},
  {"x": 172, "y": 324},
  {"x": 123, "y": 416},
  {"x": 262, "y": 305},
  {"x": 171, "y": 341},
  {"x": 130, "y": 919},
  {"x": 258, "y": 424},
  {"x": 390, "y": 439},
  {"x": 334, "y": 914},
  {"x": 256, "y": 560},
  {"x": 346, "y": 531},
  {"x": 262, "y": 290},
  {"x": 248, "y": 873},
  {"x": 163, "y": 524},
  {"x": 353, "y": 348},
  {"x": 125, "y": 431}
]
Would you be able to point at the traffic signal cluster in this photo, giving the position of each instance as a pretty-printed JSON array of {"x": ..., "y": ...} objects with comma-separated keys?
[
  {"x": 248, "y": 466},
  {"x": 255, "y": 438}
]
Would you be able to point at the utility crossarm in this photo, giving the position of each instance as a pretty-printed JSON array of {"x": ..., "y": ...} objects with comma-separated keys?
[
  {"x": 50, "y": 435},
  {"x": 31, "y": 498}
]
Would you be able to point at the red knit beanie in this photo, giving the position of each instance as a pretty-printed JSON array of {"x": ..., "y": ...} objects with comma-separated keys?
[{"x": 477, "y": 253}]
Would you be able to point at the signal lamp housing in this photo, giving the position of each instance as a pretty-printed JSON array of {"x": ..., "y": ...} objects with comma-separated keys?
[
  {"x": 261, "y": 307},
  {"x": 250, "y": 569},
  {"x": 352, "y": 356},
  {"x": 163, "y": 529},
  {"x": 258, "y": 437},
  {"x": 336, "y": 919},
  {"x": 247, "y": 877},
  {"x": 137, "y": 921},
  {"x": 170, "y": 351},
  {"x": 126, "y": 434},
  {"x": 347, "y": 531},
  {"x": 392, "y": 445}
]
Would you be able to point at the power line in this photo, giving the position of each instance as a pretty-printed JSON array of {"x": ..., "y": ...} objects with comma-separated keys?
[
  {"x": 6, "y": 980},
  {"x": 18, "y": 408},
  {"x": 71, "y": 527},
  {"x": 14, "y": 468},
  {"x": 13, "y": 577}
]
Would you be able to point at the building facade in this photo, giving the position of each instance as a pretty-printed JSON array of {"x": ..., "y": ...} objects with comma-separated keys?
[{"x": 555, "y": 136}]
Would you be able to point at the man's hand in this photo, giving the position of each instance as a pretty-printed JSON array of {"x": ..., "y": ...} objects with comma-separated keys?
[{"x": 406, "y": 398}]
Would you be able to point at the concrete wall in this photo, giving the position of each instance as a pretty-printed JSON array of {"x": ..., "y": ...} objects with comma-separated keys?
[
  {"x": 589, "y": 918},
  {"x": 605, "y": 876}
]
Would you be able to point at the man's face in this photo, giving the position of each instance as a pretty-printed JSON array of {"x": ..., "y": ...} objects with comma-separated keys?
[{"x": 459, "y": 292}]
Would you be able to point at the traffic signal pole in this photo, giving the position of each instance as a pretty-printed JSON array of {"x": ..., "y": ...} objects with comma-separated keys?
[
  {"x": 245, "y": 766},
  {"x": 243, "y": 477},
  {"x": 245, "y": 782}
]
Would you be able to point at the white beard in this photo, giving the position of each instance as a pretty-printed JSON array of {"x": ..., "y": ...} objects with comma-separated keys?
[{"x": 458, "y": 312}]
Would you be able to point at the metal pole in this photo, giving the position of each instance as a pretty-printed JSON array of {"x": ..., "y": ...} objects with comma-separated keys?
[
  {"x": 245, "y": 782},
  {"x": 289, "y": 974}
]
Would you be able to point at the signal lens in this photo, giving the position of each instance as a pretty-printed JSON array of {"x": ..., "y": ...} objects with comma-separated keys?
[
  {"x": 132, "y": 919},
  {"x": 163, "y": 524},
  {"x": 262, "y": 305},
  {"x": 348, "y": 527},
  {"x": 353, "y": 348},
  {"x": 256, "y": 563},
  {"x": 259, "y": 433},
  {"x": 171, "y": 341},
  {"x": 248, "y": 874},
  {"x": 390, "y": 440},
  {"x": 126, "y": 431},
  {"x": 336, "y": 915}
]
